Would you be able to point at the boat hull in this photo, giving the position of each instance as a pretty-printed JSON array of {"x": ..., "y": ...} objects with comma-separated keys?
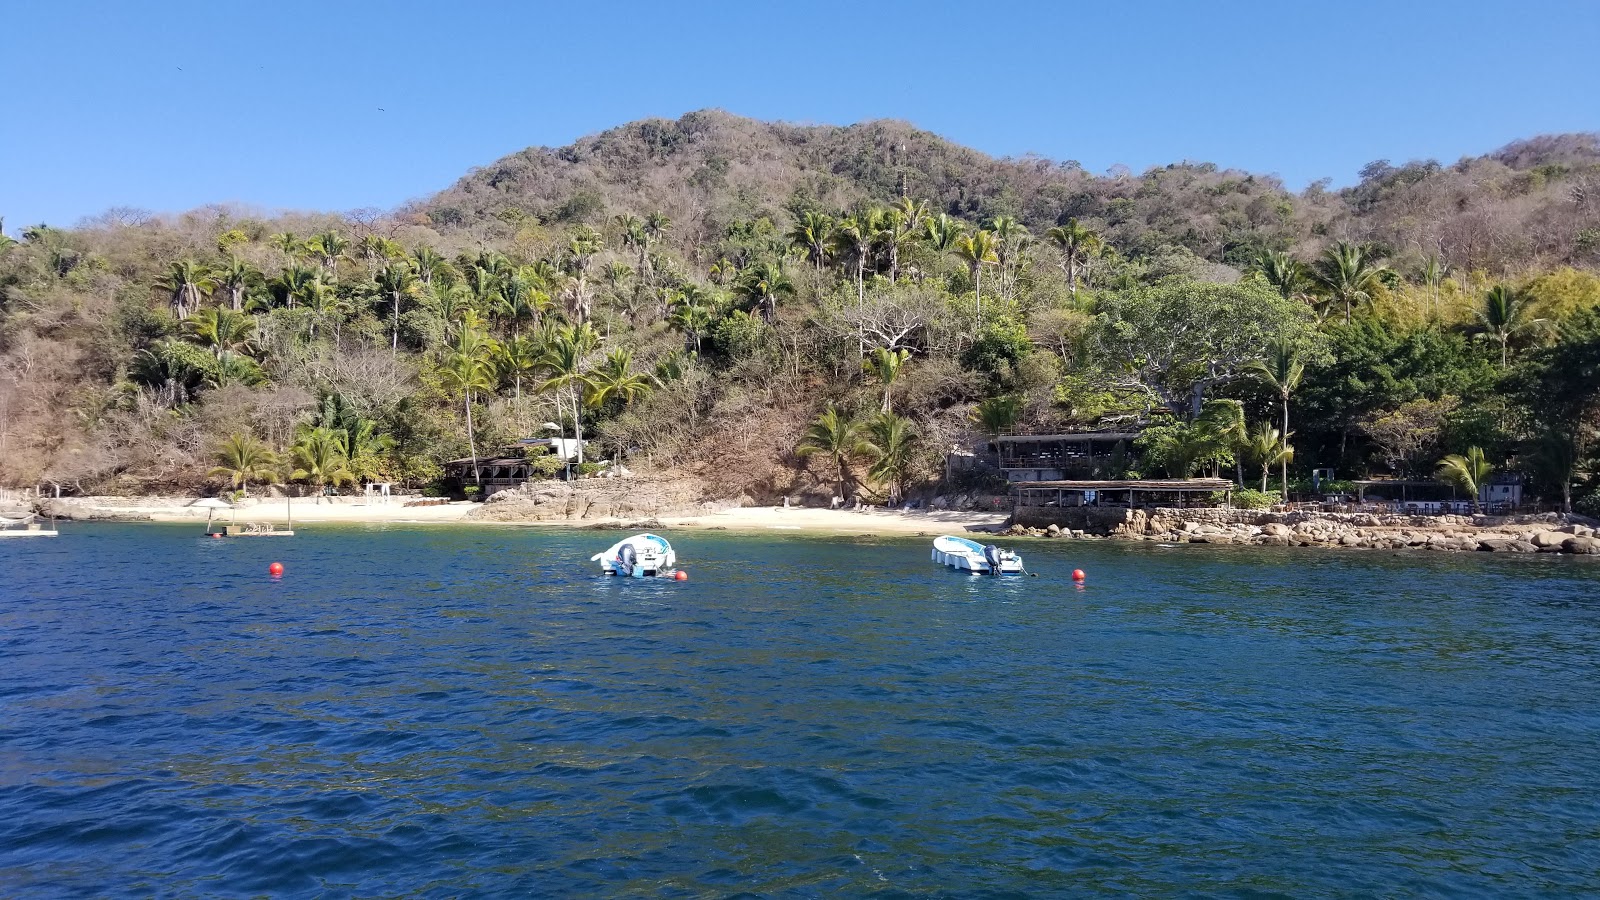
[{"x": 965, "y": 555}]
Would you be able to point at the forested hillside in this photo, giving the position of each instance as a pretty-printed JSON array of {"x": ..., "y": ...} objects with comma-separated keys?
[{"x": 786, "y": 308}]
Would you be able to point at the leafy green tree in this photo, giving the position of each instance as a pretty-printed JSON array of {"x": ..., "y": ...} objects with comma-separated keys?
[
  {"x": 221, "y": 330},
  {"x": 235, "y": 279},
  {"x": 1350, "y": 275},
  {"x": 1466, "y": 472},
  {"x": 944, "y": 234},
  {"x": 186, "y": 284},
  {"x": 1281, "y": 371},
  {"x": 245, "y": 460},
  {"x": 427, "y": 263},
  {"x": 997, "y": 415},
  {"x": 891, "y": 443},
  {"x": 566, "y": 360},
  {"x": 467, "y": 370},
  {"x": 887, "y": 365},
  {"x": 176, "y": 372},
  {"x": 907, "y": 222},
  {"x": 1079, "y": 246},
  {"x": 615, "y": 379},
  {"x": 328, "y": 248},
  {"x": 1266, "y": 448},
  {"x": 1287, "y": 275},
  {"x": 1505, "y": 317},
  {"x": 857, "y": 237},
  {"x": 813, "y": 235},
  {"x": 397, "y": 283},
  {"x": 762, "y": 284},
  {"x": 516, "y": 358},
  {"x": 839, "y": 436},
  {"x": 978, "y": 250},
  {"x": 320, "y": 460},
  {"x": 299, "y": 285},
  {"x": 691, "y": 318}
]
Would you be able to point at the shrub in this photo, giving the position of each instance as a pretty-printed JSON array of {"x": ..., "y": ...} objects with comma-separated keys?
[
  {"x": 1246, "y": 498},
  {"x": 587, "y": 468}
]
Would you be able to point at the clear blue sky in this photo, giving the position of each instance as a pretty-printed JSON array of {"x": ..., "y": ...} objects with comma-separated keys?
[{"x": 351, "y": 103}]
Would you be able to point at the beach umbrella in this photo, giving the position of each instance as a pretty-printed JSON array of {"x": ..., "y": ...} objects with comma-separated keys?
[{"x": 211, "y": 505}]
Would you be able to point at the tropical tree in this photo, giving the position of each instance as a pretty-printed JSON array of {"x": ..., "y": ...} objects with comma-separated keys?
[
  {"x": 320, "y": 460},
  {"x": 514, "y": 359},
  {"x": 614, "y": 379},
  {"x": 978, "y": 250},
  {"x": 467, "y": 369},
  {"x": 1011, "y": 241},
  {"x": 565, "y": 358},
  {"x": 692, "y": 318},
  {"x": 186, "y": 283},
  {"x": 1079, "y": 245},
  {"x": 1350, "y": 275},
  {"x": 1281, "y": 371},
  {"x": 907, "y": 221},
  {"x": 328, "y": 248},
  {"x": 943, "y": 233},
  {"x": 397, "y": 282},
  {"x": 813, "y": 235},
  {"x": 298, "y": 284},
  {"x": 856, "y": 237},
  {"x": 428, "y": 263},
  {"x": 1504, "y": 316},
  {"x": 838, "y": 435},
  {"x": 1467, "y": 472},
  {"x": 996, "y": 415},
  {"x": 891, "y": 444},
  {"x": 174, "y": 371},
  {"x": 244, "y": 460},
  {"x": 221, "y": 330},
  {"x": 1266, "y": 448},
  {"x": 762, "y": 284},
  {"x": 1434, "y": 271},
  {"x": 887, "y": 365},
  {"x": 235, "y": 280},
  {"x": 1287, "y": 275}
]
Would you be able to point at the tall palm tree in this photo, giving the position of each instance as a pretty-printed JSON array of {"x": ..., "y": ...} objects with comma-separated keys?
[
  {"x": 888, "y": 366},
  {"x": 186, "y": 283},
  {"x": 1011, "y": 241},
  {"x": 1350, "y": 275},
  {"x": 289, "y": 244},
  {"x": 1283, "y": 272},
  {"x": 243, "y": 460},
  {"x": 978, "y": 250},
  {"x": 566, "y": 359},
  {"x": 466, "y": 369},
  {"x": 376, "y": 249},
  {"x": 329, "y": 248},
  {"x": 397, "y": 282},
  {"x": 762, "y": 284},
  {"x": 907, "y": 221},
  {"x": 813, "y": 235},
  {"x": 235, "y": 280},
  {"x": 428, "y": 263},
  {"x": 1281, "y": 371},
  {"x": 1266, "y": 447},
  {"x": 516, "y": 358},
  {"x": 1434, "y": 272},
  {"x": 320, "y": 460},
  {"x": 692, "y": 319},
  {"x": 943, "y": 233},
  {"x": 1079, "y": 245},
  {"x": 839, "y": 436},
  {"x": 997, "y": 414},
  {"x": 298, "y": 284},
  {"x": 856, "y": 237},
  {"x": 614, "y": 378},
  {"x": 1467, "y": 472},
  {"x": 520, "y": 300},
  {"x": 1504, "y": 315},
  {"x": 582, "y": 248},
  {"x": 221, "y": 330},
  {"x": 891, "y": 444}
]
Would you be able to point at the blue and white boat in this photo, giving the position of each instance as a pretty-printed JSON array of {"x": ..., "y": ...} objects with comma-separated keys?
[
  {"x": 640, "y": 556},
  {"x": 965, "y": 555}
]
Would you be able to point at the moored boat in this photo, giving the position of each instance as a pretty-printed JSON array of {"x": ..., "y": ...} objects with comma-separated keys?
[
  {"x": 640, "y": 556},
  {"x": 28, "y": 526},
  {"x": 966, "y": 555}
]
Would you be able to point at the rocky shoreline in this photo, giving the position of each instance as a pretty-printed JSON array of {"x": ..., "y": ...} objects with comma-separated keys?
[{"x": 1546, "y": 533}]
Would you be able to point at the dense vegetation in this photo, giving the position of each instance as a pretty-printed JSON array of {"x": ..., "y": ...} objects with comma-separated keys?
[{"x": 782, "y": 308}]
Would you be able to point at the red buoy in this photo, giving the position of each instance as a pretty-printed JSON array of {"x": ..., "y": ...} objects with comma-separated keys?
[
  {"x": 680, "y": 575},
  {"x": 1077, "y": 574},
  {"x": 275, "y": 570},
  {"x": 216, "y": 534}
]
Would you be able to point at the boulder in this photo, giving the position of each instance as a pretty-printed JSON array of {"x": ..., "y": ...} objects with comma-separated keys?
[
  {"x": 1588, "y": 546},
  {"x": 1523, "y": 547},
  {"x": 1495, "y": 544},
  {"x": 1276, "y": 529},
  {"x": 1053, "y": 530},
  {"x": 1550, "y": 539}
]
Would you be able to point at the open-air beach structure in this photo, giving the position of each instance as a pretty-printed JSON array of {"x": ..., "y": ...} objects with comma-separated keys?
[
  {"x": 1051, "y": 457},
  {"x": 1066, "y": 502}
]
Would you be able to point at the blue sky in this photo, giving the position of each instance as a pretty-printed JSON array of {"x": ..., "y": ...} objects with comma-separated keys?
[{"x": 359, "y": 103}]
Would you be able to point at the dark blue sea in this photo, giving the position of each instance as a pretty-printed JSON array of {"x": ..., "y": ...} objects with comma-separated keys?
[{"x": 472, "y": 712}]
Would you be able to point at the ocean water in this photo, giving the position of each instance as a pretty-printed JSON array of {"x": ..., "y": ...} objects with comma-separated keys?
[{"x": 472, "y": 712}]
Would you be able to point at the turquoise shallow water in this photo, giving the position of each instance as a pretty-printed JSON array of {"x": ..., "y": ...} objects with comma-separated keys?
[{"x": 470, "y": 712}]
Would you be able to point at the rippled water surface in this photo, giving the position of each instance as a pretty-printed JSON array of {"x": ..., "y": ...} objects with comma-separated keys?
[{"x": 469, "y": 712}]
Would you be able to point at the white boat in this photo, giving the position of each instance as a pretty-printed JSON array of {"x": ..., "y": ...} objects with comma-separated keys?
[
  {"x": 25, "y": 527},
  {"x": 640, "y": 556},
  {"x": 965, "y": 555}
]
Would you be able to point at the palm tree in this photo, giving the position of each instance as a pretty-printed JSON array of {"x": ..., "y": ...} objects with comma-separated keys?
[
  {"x": 856, "y": 237},
  {"x": 1079, "y": 245},
  {"x": 840, "y": 437},
  {"x": 762, "y": 284},
  {"x": 1350, "y": 275},
  {"x": 397, "y": 281},
  {"x": 812, "y": 235},
  {"x": 1286, "y": 274},
  {"x": 887, "y": 365},
  {"x": 566, "y": 357},
  {"x": 1282, "y": 372},
  {"x": 978, "y": 250},
  {"x": 320, "y": 460},
  {"x": 187, "y": 282},
  {"x": 328, "y": 247},
  {"x": 581, "y": 249},
  {"x": 692, "y": 319},
  {"x": 364, "y": 447},
  {"x": 577, "y": 295},
  {"x": 514, "y": 359},
  {"x": 427, "y": 263},
  {"x": 1504, "y": 315},
  {"x": 943, "y": 233},
  {"x": 891, "y": 443},
  {"x": 1434, "y": 271},
  {"x": 466, "y": 369},
  {"x": 614, "y": 378},
  {"x": 243, "y": 459},
  {"x": 1266, "y": 447},
  {"x": 376, "y": 248},
  {"x": 1466, "y": 472},
  {"x": 221, "y": 331},
  {"x": 298, "y": 284},
  {"x": 907, "y": 219},
  {"x": 997, "y": 414},
  {"x": 235, "y": 279},
  {"x": 288, "y": 244}
]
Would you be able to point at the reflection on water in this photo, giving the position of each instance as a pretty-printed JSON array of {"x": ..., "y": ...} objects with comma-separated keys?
[{"x": 471, "y": 712}]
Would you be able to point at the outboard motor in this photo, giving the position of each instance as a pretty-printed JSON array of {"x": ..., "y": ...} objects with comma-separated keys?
[
  {"x": 991, "y": 555},
  {"x": 628, "y": 558}
]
